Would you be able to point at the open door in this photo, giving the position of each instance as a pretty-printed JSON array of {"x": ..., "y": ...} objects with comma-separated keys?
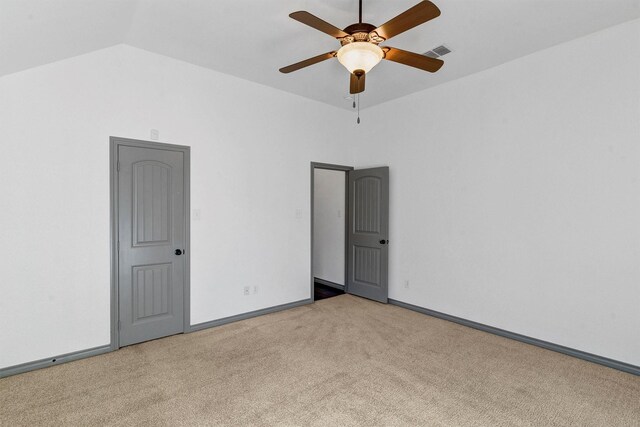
[{"x": 368, "y": 233}]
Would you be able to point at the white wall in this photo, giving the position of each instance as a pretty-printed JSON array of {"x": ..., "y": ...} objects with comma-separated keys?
[
  {"x": 515, "y": 194},
  {"x": 251, "y": 150},
  {"x": 329, "y": 225}
]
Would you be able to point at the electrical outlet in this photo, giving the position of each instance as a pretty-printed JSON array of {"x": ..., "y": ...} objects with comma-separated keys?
[
  {"x": 255, "y": 289},
  {"x": 155, "y": 134},
  {"x": 406, "y": 284},
  {"x": 247, "y": 290}
]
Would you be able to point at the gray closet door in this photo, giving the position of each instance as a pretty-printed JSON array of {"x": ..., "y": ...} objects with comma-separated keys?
[
  {"x": 151, "y": 227},
  {"x": 368, "y": 233}
]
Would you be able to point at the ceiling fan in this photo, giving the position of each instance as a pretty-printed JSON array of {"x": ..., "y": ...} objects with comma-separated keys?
[{"x": 360, "y": 51}]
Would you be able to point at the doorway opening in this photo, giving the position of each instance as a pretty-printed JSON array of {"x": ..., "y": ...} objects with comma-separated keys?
[
  {"x": 349, "y": 231},
  {"x": 329, "y": 215}
]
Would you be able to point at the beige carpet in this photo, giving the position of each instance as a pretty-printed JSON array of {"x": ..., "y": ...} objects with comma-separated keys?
[{"x": 339, "y": 362}]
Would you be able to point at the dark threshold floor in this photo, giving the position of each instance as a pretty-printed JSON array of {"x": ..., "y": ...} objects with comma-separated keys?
[{"x": 321, "y": 291}]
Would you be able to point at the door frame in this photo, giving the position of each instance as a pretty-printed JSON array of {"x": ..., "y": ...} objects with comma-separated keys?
[
  {"x": 114, "y": 144},
  {"x": 346, "y": 170}
]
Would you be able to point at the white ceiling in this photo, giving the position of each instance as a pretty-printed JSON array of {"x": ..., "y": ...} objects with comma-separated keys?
[{"x": 252, "y": 39}]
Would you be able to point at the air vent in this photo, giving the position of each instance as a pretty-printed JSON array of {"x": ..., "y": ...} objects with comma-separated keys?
[
  {"x": 437, "y": 52},
  {"x": 441, "y": 50}
]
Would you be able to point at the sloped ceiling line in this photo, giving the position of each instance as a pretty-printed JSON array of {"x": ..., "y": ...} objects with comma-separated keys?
[{"x": 252, "y": 39}]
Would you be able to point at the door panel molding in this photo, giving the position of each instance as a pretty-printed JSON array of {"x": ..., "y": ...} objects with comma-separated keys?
[
  {"x": 114, "y": 144},
  {"x": 143, "y": 236},
  {"x": 161, "y": 303}
]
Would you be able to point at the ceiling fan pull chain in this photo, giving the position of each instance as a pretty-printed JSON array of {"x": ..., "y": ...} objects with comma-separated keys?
[{"x": 358, "y": 96}]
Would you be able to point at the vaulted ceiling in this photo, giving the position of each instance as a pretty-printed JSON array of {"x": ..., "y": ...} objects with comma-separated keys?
[{"x": 252, "y": 39}]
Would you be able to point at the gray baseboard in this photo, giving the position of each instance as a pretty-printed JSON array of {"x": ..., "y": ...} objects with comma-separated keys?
[
  {"x": 51, "y": 361},
  {"x": 328, "y": 283},
  {"x": 615, "y": 364},
  {"x": 69, "y": 357},
  {"x": 243, "y": 316}
]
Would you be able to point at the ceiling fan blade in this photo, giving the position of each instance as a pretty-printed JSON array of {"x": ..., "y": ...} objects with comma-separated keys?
[
  {"x": 356, "y": 85},
  {"x": 317, "y": 23},
  {"x": 412, "y": 59},
  {"x": 418, "y": 14},
  {"x": 307, "y": 62}
]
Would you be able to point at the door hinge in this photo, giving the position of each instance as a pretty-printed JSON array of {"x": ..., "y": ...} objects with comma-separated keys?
[
  {"x": 118, "y": 167},
  {"x": 118, "y": 245}
]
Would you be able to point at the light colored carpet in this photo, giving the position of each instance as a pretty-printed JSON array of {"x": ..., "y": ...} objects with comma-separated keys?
[{"x": 343, "y": 361}]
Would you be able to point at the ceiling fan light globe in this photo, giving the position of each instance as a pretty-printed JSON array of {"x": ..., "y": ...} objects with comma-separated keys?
[{"x": 360, "y": 56}]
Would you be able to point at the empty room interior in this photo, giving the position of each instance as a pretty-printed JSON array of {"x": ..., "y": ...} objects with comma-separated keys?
[{"x": 320, "y": 213}]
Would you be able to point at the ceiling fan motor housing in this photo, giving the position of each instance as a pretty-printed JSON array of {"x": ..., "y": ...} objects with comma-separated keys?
[{"x": 361, "y": 32}]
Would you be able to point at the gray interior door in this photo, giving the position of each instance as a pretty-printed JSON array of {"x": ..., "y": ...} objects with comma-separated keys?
[
  {"x": 151, "y": 234},
  {"x": 368, "y": 233}
]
